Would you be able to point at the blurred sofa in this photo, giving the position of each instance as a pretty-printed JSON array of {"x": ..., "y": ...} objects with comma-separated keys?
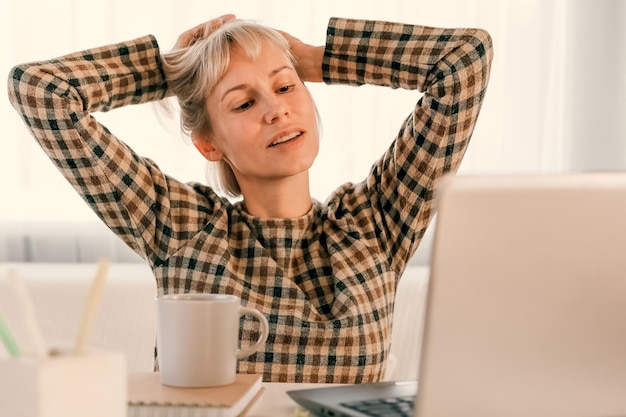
[{"x": 58, "y": 262}]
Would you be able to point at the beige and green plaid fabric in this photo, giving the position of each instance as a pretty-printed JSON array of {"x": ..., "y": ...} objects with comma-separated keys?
[{"x": 325, "y": 281}]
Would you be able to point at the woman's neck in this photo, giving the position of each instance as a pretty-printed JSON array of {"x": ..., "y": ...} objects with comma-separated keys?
[{"x": 284, "y": 198}]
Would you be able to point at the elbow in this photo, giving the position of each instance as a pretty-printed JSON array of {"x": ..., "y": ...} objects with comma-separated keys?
[
  {"x": 22, "y": 80},
  {"x": 483, "y": 38},
  {"x": 16, "y": 78},
  {"x": 31, "y": 86},
  {"x": 476, "y": 58},
  {"x": 482, "y": 45}
]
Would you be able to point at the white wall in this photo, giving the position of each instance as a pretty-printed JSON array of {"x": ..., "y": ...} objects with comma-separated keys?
[
  {"x": 554, "y": 103},
  {"x": 596, "y": 89}
]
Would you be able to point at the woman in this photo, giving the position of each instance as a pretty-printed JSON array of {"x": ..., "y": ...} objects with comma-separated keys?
[{"x": 324, "y": 274}]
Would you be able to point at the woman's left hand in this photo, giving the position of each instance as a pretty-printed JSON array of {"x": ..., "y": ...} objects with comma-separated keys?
[{"x": 308, "y": 58}]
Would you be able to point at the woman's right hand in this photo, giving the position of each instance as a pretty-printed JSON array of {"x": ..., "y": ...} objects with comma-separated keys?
[{"x": 201, "y": 31}]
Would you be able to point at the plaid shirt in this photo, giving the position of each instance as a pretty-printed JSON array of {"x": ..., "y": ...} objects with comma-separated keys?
[{"x": 326, "y": 281}]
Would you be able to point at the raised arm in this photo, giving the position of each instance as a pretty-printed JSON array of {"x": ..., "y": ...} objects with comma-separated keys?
[
  {"x": 57, "y": 99},
  {"x": 451, "y": 67}
]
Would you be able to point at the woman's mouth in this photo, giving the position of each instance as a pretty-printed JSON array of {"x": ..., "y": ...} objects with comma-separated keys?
[{"x": 286, "y": 138}]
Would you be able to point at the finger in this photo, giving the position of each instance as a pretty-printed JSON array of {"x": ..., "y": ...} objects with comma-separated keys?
[
  {"x": 202, "y": 30},
  {"x": 228, "y": 17},
  {"x": 205, "y": 29},
  {"x": 219, "y": 21},
  {"x": 190, "y": 36}
]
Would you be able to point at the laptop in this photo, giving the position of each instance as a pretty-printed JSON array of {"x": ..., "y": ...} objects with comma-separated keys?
[{"x": 526, "y": 305}]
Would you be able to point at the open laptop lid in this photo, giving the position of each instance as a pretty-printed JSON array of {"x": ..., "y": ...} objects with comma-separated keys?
[{"x": 526, "y": 311}]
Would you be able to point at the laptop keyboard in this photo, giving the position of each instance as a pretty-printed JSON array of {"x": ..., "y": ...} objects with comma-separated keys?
[{"x": 384, "y": 407}]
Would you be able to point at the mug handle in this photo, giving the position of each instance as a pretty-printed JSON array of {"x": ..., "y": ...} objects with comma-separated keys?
[{"x": 242, "y": 353}]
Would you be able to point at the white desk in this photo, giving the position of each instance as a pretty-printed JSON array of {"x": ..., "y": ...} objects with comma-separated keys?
[{"x": 274, "y": 402}]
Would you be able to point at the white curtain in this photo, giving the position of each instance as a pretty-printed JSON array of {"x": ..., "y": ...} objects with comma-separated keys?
[{"x": 554, "y": 104}]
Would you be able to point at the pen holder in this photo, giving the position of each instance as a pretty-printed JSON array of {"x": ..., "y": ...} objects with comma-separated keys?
[{"x": 90, "y": 385}]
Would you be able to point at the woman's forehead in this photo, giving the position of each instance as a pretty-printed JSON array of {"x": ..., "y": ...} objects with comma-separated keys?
[
  {"x": 257, "y": 49},
  {"x": 269, "y": 61}
]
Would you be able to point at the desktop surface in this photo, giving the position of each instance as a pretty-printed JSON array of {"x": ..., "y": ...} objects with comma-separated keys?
[{"x": 274, "y": 402}]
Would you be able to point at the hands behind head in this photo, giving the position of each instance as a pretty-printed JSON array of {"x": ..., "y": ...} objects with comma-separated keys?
[
  {"x": 189, "y": 37},
  {"x": 308, "y": 57}
]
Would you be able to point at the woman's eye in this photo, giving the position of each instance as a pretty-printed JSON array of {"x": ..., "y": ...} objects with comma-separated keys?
[
  {"x": 243, "y": 106},
  {"x": 285, "y": 88}
]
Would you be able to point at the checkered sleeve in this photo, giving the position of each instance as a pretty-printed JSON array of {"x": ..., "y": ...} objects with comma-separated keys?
[
  {"x": 57, "y": 98},
  {"x": 451, "y": 68}
]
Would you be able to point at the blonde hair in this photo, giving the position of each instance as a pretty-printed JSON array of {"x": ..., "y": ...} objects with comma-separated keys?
[{"x": 194, "y": 71}]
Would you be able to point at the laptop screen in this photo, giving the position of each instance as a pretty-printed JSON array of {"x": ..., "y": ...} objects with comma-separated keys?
[{"x": 526, "y": 310}]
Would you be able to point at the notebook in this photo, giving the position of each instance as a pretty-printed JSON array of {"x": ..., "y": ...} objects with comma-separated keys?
[
  {"x": 526, "y": 306},
  {"x": 147, "y": 397}
]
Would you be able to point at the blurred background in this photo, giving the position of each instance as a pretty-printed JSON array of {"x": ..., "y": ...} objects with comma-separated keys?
[{"x": 555, "y": 102}]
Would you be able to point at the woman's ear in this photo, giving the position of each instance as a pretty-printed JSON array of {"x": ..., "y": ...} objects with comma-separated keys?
[{"x": 206, "y": 147}]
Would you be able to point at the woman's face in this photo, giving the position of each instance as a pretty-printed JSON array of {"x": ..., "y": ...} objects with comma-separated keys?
[{"x": 263, "y": 118}]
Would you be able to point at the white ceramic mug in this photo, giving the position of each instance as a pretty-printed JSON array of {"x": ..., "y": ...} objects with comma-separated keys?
[{"x": 198, "y": 338}]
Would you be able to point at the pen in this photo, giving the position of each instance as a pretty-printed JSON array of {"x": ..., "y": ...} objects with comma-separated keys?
[
  {"x": 8, "y": 340},
  {"x": 30, "y": 318},
  {"x": 91, "y": 306}
]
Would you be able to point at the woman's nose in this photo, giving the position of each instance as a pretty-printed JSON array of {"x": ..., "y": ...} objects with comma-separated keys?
[{"x": 276, "y": 109}]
